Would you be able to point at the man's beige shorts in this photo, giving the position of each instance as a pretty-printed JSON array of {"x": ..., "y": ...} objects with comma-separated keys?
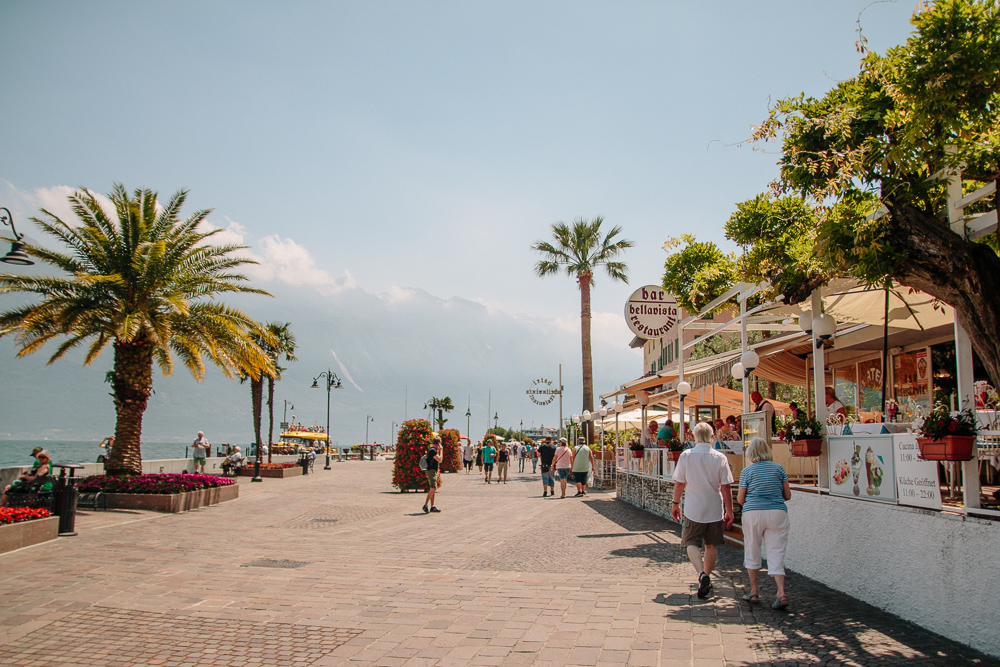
[{"x": 694, "y": 533}]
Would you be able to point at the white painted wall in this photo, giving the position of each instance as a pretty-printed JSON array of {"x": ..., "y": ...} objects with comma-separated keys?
[{"x": 940, "y": 571}]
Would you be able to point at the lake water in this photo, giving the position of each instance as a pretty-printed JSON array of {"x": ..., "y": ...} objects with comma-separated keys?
[{"x": 18, "y": 452}]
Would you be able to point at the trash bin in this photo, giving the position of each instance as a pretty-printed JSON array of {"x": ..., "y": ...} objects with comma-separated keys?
[
  {"x": 65, "y": 497},
  {"x": 304, "y": 462}
]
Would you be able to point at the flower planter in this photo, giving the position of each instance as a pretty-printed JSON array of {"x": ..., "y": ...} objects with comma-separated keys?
[
  {"x": 173, "y": 502},
  {"x": 26, "y": 533},
  {"x": 674, "y": 456},
  {"x": 279, "y": 473},
  {"x": 807, "y": 447},
  {"x": 637, "y": 453},
  {"x": 949, "y": 448}
]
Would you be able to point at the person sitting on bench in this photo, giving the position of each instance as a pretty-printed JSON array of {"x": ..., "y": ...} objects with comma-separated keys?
[
  {"x": 32, "y": 481},
  {"x": 234, "y": 461}
]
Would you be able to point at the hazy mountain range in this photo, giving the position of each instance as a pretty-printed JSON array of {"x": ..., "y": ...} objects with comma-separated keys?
[{"x": 392, "y": 351}]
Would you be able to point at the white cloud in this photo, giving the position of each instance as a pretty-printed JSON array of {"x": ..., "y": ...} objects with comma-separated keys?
[
  {"x": 397, "y": 294},
  {"x": 24, "y": 204}
]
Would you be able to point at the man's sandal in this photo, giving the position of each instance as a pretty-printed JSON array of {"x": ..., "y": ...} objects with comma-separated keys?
[
  {"x": 780, "y": 603},
  {"x": 752, "y": 598}
]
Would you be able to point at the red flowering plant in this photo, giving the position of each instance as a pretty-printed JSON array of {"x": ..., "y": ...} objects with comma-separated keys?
[
  {"x": 273, "y": 466},
  {"x": 19, "y": 514},
  {"x": 941, "y": 422},
  {"x": 152, "y": 484},
  {"x": 412, "y": 442},
  {"x": 452, "y": 441}
]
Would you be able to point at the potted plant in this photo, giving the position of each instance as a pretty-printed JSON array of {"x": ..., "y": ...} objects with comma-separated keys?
[
  {"x": 948, "y": 437},
  {"x": 805, "y": 435},
  {"x": 637, "y": 449},
  {"x": 674, "y": 448}
]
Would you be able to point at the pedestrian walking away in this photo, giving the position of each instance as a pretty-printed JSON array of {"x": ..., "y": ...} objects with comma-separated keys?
[
  {"x": 563, "y": 464},
  {"x": 503, "y": 462},
  {"x": 522, "y": 456},
  {"x": 546, "y": 453},
  {"x": 489, "y": 454},
  {"x": 703, "y": 478},
  {"x": 468, "y": 455},
  {"x": 583, "y": 463},
  {"x": 201, "y": 448},
  {"x": 434, "y": 453},
  {"x": 763, "y": 492},
  {"x": 533, "y": 455},
  {"x": 479, "y": 456}
]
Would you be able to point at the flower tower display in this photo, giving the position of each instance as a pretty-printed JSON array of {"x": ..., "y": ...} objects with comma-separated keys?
[
  {"x": 413, "y": 440},
  {"x": 452, "y": 458}
]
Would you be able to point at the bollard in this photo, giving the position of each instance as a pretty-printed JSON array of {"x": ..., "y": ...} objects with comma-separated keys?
[{"x": 304, "y": 462}]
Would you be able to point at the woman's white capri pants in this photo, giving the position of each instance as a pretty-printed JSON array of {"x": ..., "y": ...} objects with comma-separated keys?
[{"x": 770, "y": 529}]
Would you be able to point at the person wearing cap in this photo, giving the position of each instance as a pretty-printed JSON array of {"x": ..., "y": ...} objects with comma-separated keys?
[
  {"x": 27, "y": 481},
  {"x": 563, "y": 461},
  {"x": 547, "y": 452},
  {"x": 583, "y": 462},
  {"x": 703, "y": 477}
]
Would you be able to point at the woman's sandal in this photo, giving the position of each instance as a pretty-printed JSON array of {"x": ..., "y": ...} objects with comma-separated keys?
[
  {"x": 780, "y": 603},
  {"x": 752, "y": 598}
]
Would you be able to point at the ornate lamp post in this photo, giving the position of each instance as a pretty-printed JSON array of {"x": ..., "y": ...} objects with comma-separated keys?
[
  {"x": 332, "y": 382},
  {"x": 16, "y": 255}
]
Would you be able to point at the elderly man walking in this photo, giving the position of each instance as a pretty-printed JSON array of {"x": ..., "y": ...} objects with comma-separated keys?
[{"x": 703, "y": 477}]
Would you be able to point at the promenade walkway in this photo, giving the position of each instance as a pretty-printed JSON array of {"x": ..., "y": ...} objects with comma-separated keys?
[{"x": 337, "y": 568}]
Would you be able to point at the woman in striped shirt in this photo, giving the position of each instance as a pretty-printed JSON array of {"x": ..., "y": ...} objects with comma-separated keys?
[{"x": 763, "y": 492}]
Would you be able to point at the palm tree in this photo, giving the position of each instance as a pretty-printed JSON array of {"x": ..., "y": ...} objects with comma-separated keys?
[
  {"x": 146, "y": 282},
  {"x": 442, "y": 405},
  {"x": 283, "y": 344},
  {"x": 579, "y": 249}
]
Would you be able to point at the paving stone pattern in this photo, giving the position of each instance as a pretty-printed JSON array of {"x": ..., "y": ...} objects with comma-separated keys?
[
  {"x": 117, "y": 638},
  {"x": 500, "y": 576}
]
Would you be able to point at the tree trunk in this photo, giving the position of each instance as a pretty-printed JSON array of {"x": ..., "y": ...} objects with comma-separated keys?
[
  {"x": 132, "y": 383},
  {"x": 270, "y": 417},
  {"x": 963, "y": 274},
  {"x": 257, "y": 396},
  {"x": 588, "y": 363}
]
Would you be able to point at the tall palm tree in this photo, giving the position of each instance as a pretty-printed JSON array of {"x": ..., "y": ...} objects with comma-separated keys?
[
  {"x": 442, "y": 405},
  {"x": 283, "y": 343},
  {"x": 145, "y": 282},
  {"x": 579, "y": 249}
]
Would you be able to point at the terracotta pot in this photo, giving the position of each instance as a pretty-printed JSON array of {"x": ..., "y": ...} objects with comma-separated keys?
[
  {"x": 674, "y": 456},
  {"x": 949, "y": 448},
  {"x": 807, "y": 447},
  {"x": 637, "y": 453}
]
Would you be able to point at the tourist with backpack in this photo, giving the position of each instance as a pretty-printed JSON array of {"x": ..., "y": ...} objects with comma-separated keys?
[{"x": 429, "y": 463}]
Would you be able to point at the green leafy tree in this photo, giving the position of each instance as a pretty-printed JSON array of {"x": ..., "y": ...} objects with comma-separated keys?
[
  {"x": 579, "y": 249},
  {"x": 698, "y": 273},
  {"x": 145, "y": 282},
  {"x": 888, "y": 141}
]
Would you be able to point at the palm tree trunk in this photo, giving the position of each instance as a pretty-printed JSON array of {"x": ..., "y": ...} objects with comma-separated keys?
[
  {"x": 270, "y": 415},
  {"x": 588, "y": 362},
  {"x": 257, "y": 396},
  {"x": 132, "y": 383}
]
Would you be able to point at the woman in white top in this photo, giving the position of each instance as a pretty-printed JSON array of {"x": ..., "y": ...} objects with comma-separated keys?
[{"x": 833, "y": 404}]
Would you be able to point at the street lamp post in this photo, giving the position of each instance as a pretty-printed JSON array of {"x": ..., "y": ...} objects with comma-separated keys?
[
  {"x": 368, "y": 419},
  {"x": 16, "y": 255},
  {"x": 468, "y": 421},
  {"x": 287, "y": 404},
  {"x": 496, "y": 418},
  {"x": 332, "y": 381}
]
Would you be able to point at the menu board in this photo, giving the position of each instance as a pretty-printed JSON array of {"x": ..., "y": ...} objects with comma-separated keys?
[
  {"x": 862, "y": 467},
  {"x": 755, "y": 425},
  {"x": 912, "y": 376},
  {"x": 916, "y": 480}
]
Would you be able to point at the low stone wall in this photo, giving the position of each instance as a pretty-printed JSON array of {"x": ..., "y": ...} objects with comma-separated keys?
[
  {"x": 26, "y": 533},
  {"x": 174, "y": 502},
  {"x": 278, "y": 473},
  {"x": 654, "y": 496}
]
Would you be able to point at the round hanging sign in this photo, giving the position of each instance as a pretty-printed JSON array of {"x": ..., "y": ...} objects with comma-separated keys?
[
  {"x": 542, "y": 392},
  {"x": 651, "y": 312}
]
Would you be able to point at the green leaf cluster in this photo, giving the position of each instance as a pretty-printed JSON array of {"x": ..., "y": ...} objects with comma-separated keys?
[{"x": 697, "y": 273}]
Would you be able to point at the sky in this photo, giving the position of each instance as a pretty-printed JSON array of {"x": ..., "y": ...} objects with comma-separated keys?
[{"x": 390, "y": 165}]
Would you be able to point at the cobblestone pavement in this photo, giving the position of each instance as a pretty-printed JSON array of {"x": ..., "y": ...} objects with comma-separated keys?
[{"x": 338, "y": 568}]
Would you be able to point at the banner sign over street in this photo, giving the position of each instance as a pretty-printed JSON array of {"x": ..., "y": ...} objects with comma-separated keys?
[{"x": 651, "y": 312}]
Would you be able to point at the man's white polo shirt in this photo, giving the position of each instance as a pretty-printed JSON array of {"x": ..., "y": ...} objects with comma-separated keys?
[{"x": 703, "y": 470}]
